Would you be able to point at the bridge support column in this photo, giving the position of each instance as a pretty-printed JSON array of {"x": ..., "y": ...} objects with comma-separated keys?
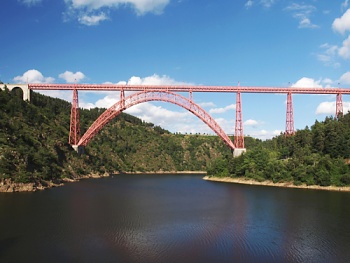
[
  {"x": 122, "y": 98},
  {"x": 26, "y": 94},
  {"x": 339, "y": 106},
  {"x": 74, "y": 133},
  {"x": 289, "y": 116},
  {"x": 239, "y": 135}
]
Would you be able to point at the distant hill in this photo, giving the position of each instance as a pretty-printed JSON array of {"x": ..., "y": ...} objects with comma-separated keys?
[{"x": 34, "y": 144}]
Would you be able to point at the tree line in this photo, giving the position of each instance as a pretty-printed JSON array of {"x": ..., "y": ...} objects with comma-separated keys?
[{"x": 319, "y": 155}]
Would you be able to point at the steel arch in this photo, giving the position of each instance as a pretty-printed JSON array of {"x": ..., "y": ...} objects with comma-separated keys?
[{"x": 153, "y": 95}]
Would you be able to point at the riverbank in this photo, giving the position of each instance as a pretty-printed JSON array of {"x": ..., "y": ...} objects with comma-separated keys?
[
  {"x": 162, "y": 172},
  {"x": 270, "y": 183},
  {"x": 8, "y": 186}
]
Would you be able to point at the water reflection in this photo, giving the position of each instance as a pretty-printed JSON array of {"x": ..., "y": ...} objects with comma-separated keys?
[{"x": 173, "y": 219}]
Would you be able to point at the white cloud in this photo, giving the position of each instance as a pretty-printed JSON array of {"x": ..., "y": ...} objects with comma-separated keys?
[
  {"x": 159, "y": 115},
  {"x": 86, "y": 105},
  {"x": 346, "y": 106},
  {"x": 249, "y": 3},
  {"x": 344, "y": 5},
  {"x": 154, "y": 80},
  {"x": 66, "y": 95},
  {"x": 312, "y": 83},
  {"x": 176, "y": 121},
  {"x": 324, "y": 58},
  {"x": 92, "y": 20},
  {"x": 206, "y": 104},
  {"x": 306, "y": 23},
  {"x": 264, "y": 134},
  {"x": 85, "y": 10},
  {"x": 331, "y": 51},
  {"x": 329, "y": 54},
  {"x": 329, "y": 107},
  {"x": 267, "y": 3},
  {"x": 30, "y": 2},
  {"x": 222, "y": 110},
  {"x": 140, "y": 6},
  {"x": 71, "y": 77},
  {"x": 264, "y": 3},
  {"x": 227, "y": 125},
  {"x": 276, "y": 132},
  {"x": 328, "y": 82},
  {"x": 113, "y": 97},
  {"x": 302, "y": 13},
  {"x": 179, "y": 120},
  {"x": 300, "y": 7},
  {"x": 33, "y": 76},
  {"x": 250, "y": 122},
  {"x": 342, "y": 24},
  {"x": 326, "y": 108},
  {"x": 345, "y": 78},
  {"x": 307, "y": 83},
  {"x": 344, "y": 51},
  {"x": 107, "y": 101}
]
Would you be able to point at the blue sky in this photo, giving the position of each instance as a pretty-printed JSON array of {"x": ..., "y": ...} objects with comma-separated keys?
[{"x": 206, "y": 42}]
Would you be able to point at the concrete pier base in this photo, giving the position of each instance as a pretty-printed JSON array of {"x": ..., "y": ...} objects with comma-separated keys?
[
  {"x": 79, "y": 149},
  {"x": 238, "y": 151}
]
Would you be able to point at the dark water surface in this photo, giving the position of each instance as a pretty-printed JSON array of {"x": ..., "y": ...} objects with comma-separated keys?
[{"x": 173, "y": 218}]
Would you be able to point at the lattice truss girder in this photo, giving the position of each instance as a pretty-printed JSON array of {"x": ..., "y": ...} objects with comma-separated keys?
[{"x": 145, "y": 96}]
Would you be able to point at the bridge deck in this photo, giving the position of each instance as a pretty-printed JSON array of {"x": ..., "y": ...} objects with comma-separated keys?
[{"x": 185, "y": 88}]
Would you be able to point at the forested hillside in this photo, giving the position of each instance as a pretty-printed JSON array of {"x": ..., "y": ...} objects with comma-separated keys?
[
  {"x": 34, "y": 148},
  {"x": 319, "y": 155},
  {"x": 34, "y": 143}
]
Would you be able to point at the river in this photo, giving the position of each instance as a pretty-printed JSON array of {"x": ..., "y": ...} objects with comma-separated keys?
[{"x": 173, "y": 218}]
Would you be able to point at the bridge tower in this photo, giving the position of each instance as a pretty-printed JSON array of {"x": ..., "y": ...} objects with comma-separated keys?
[
  {"x": 74, "y": 132},
  {"x": 122, "y": 98},
  {"x": 339, "y": 106},
  {"x": 239, "y": 135},
  {"x": 289, "y": 116}
]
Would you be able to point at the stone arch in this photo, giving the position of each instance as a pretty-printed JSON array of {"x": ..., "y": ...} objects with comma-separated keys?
[
  {"x": 145, "y": 96},
  {"x": 23, "y": 87},
  {"x": 17, "y": 90}
]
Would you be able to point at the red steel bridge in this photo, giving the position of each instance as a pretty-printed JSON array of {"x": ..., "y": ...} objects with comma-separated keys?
[{"x": 168, "y": 93}]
